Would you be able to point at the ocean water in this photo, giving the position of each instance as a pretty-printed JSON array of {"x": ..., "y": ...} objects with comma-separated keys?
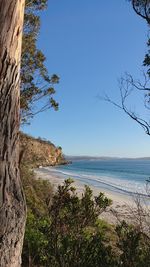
[{"x": 122, "y": 175}]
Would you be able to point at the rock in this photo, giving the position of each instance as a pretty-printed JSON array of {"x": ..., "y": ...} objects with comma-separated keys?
[{"x": 40, "y": 153}]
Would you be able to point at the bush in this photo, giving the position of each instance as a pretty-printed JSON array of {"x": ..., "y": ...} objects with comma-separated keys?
[
  {"x": 69, "y": 234},
  {"x": 134, "y": 246},
  {"x": 64, "y": 230}
]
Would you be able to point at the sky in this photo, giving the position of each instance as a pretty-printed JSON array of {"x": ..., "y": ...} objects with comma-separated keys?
[{"x": 90, "y": 45}]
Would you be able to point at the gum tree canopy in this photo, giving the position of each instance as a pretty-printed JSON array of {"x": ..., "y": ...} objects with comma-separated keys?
[
  {"x": 37, "y": 87},
  {"x": 12, "y": 203},
  {"x": 142, "y": 8}
]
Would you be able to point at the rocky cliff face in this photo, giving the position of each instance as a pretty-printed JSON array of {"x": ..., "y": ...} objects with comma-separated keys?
[{"x": 37, "y": 152}]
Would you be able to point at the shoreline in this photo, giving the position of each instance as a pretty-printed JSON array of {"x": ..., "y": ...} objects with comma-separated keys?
[{"x": 123, "y": 207}]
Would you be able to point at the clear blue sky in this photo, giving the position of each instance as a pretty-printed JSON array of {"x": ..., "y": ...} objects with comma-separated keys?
[{"x": 90, "y": 44}]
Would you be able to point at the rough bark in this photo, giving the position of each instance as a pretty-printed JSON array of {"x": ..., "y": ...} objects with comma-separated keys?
[{"x": 12, "y": 202}]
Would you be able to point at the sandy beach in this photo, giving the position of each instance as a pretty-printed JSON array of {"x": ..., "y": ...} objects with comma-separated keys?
[{"x": 124, "y": 207}]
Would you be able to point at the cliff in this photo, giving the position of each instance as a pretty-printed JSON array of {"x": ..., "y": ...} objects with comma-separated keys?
[{"x": 37, "y": 152}]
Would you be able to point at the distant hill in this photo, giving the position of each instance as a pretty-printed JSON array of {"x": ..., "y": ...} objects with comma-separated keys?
[{"x": 73, "y": 158}]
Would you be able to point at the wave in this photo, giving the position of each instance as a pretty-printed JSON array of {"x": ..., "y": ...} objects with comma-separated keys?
[{"x": 107, "y": 182}]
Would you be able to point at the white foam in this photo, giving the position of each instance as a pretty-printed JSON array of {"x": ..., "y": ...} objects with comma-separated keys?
[{"x": 129, "y": 186}]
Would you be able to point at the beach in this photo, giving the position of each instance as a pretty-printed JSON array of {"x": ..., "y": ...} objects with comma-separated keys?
[{"x": 124, "y": 207}]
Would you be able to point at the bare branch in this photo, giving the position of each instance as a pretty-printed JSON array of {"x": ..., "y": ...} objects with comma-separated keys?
[{"x": 126, "y": 86}]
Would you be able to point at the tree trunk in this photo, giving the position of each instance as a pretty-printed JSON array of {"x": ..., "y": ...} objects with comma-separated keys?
[{"x": 12, "y": 202}]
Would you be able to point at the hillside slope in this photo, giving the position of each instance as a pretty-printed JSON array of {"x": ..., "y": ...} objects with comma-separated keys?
[{"x": 37, "y": 152}]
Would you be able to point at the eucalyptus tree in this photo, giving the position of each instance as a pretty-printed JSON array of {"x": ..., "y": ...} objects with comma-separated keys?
[
  {"x": 12, "y": 202},
  {"x": 37, "y": 86}
]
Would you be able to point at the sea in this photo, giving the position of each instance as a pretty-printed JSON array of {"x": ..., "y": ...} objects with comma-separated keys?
[
  {"x": 127, "y": 176},
  {"x": 120, "y": 175}
]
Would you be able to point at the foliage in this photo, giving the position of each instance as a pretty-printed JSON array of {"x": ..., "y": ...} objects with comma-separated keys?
[
  {"x": 134, "y": 246},
  {"x": 64, "y": 230},
  {"x": 142, "y": 8},
  {"x": 75, "y": 238},
  {"x": 38, "y": 192},
  {"x": 38, "y": 197},
  {"x": 69, "y": 234},
  {"x": 35, "y": 241},
  {"x": 36, "y": 84}
]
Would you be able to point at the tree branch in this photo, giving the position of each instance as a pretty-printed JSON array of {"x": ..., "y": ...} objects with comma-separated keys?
[
  {"x": 126, "y": 87},
  {"x": 145, "y": 8}
]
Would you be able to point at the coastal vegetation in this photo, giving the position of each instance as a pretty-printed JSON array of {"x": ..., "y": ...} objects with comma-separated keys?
[
  {"x": 62, "y": 228},
  {"x": 65, "y": 229}
]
